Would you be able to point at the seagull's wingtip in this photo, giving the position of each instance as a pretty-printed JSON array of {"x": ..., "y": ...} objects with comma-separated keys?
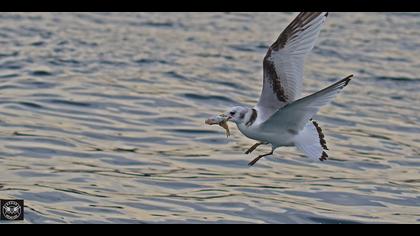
[{"x": 347, "y": 79}]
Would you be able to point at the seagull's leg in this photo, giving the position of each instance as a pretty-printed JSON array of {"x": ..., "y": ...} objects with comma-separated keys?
[
  {"x": 251, "y": 149},
  {"x": 259, "y": 157}
]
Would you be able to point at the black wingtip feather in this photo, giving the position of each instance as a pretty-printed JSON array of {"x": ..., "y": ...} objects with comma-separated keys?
[
  {"x": 347, "y": 79},
  {"x": 321, "y": 135},
  {"x": 324, "y": 156}
]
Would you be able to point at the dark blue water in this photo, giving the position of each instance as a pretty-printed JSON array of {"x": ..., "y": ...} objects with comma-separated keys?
[{"x": 102, "y": 119}]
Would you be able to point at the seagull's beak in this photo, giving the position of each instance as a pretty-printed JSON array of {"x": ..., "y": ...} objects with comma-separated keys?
[{"x": 227, "y": 118}]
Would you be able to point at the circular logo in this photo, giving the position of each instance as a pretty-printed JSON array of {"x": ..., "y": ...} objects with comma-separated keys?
[{"x": 11, "y": 210}]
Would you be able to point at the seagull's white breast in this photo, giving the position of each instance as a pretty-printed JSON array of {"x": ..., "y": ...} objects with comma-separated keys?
[{"x": 276, "y": 139}]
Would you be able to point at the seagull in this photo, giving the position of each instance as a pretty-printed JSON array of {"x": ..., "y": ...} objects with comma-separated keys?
[{"x": 281, "y": 117}]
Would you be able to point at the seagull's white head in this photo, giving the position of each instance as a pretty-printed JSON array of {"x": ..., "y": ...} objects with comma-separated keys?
[{"x": 237, "y": 114}]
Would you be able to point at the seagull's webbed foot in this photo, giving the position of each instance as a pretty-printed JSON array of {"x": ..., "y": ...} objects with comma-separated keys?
[
  {"x": 259, "y": 157},
  {"x": 251, "y": 149}
]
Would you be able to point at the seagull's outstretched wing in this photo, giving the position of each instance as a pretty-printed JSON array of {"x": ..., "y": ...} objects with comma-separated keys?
[
  {"x": 296, "y": 115},
  {"x": 284, "y": 61}
]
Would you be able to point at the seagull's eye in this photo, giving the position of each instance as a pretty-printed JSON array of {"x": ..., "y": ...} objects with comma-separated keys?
[{"x": 232, "y": 113}]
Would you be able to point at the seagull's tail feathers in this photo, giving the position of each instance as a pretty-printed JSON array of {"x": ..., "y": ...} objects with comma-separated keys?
[{"x": 311, "y": 141}]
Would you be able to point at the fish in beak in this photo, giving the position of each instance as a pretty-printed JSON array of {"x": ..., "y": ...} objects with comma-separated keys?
[{"x": 220, "y": 120}]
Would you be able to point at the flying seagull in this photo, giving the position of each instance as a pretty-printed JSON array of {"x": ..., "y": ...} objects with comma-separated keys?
[{"x": 281, "y": 117}]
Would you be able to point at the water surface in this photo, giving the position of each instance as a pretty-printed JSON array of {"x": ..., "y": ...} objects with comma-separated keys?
[{"x": 102, "y": 119}]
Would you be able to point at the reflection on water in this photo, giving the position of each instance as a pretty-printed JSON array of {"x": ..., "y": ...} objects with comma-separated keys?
[{"x": 102, "y": 118}]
